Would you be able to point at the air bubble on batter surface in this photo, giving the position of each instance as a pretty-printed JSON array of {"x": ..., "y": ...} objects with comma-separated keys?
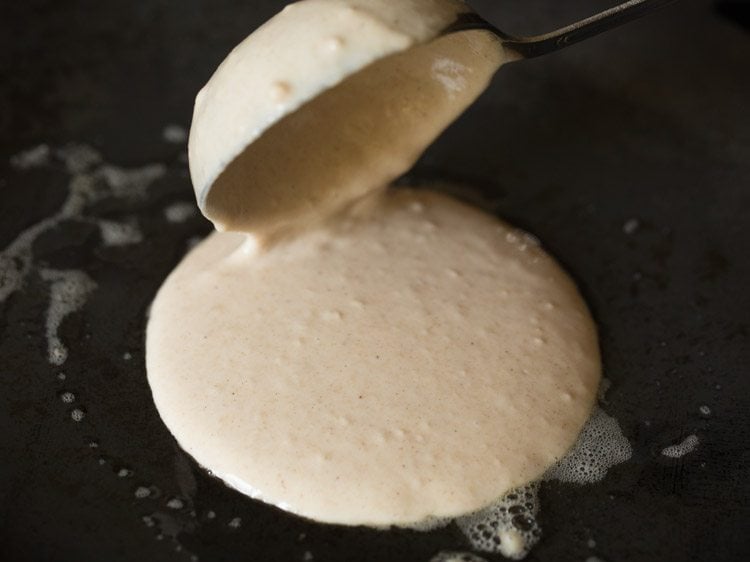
[{"x": 600, "y": 446}]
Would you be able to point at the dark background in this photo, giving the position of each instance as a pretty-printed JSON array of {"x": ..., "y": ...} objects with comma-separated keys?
[{"x": 651, "y": 122}]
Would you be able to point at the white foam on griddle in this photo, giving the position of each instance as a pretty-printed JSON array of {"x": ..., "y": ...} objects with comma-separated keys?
[
  {"x": 120, "y": 233},
  {"x": 68, "y": 292},
  {"x": 179, "y": 212},
  {"x": 631, "y": 226},
  {"x": 142, "y": 492},
  {"x": 449, "y": 556},
  {"x": 77, "y": 414},
  {"x": 31, "y": 158},
  {"x": 79, "y": 158},
  {"x": 15, "y": 259},
  {"x": 175, "y": 503},
  {"x": 91, "y": 180},
  {"x": 131, "y": 183},
  {"x": 174, "y": 134},
  {"x": 600, "y": 446},
  {"x": 509, "y": 526},
  {"x": 687, "y": 445}
]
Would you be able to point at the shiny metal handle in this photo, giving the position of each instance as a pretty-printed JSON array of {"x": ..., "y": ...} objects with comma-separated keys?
[{"x": 537, "y": 45}]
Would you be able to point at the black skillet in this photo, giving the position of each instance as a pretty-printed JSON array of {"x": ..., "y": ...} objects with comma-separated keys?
[{"x": 646, "y": 126}]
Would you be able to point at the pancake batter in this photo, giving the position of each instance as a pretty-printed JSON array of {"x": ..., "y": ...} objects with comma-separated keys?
[{"x": 357, "y": 355}]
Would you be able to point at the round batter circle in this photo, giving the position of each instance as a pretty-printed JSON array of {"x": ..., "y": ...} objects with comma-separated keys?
[{"x": 414, "y": 358}]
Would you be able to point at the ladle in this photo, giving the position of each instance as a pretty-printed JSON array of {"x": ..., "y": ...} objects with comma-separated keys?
[{"x": 534, "y": 46}]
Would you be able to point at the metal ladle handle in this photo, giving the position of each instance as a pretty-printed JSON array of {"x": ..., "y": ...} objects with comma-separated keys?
[{"x": 537, "y": 45}]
